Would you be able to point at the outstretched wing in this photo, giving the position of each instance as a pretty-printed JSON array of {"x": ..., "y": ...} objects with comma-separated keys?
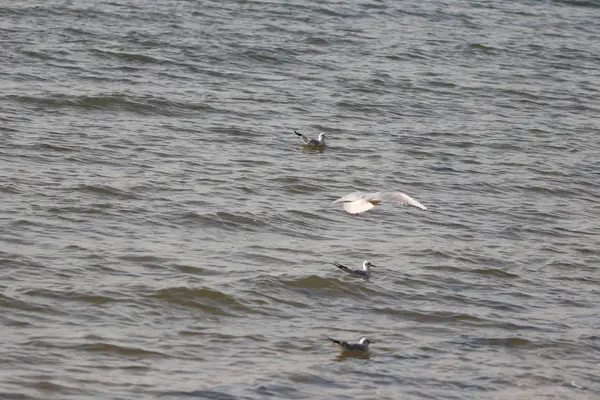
[
  {"x": 358, "y": 206},
  {"x": 398, "y": 198},
  {"x": 350, "y": 197}
]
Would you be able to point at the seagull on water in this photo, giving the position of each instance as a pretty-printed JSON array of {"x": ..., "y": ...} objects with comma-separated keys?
[
  {"x": 318, "y": 142},
  {"x": 359, "y": 202},
  {"x": 360, "y": 348},
  {"x": 365, "y": 272}
]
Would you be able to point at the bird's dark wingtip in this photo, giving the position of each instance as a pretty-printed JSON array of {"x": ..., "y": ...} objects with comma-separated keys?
[
  {"x": 297, "y": 133},
  {"x": 342, "y": 267},
  {"x": 333, "y": 340}
]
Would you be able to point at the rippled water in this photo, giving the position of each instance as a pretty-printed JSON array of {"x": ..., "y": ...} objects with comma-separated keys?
[{"x": 163, "y": 235}]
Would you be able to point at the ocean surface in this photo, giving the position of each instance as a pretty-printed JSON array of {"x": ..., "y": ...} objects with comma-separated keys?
[{"x": 163, "y": 235}]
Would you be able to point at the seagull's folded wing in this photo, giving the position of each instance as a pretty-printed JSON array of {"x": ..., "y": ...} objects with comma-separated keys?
[
  {"x": 358, "y": 206},
  {"x": 355, "y": 347},
  {"x": 399, "y": 198},
  {"x": 350, "y": 197},
  {"x": 342, "y": 267}
]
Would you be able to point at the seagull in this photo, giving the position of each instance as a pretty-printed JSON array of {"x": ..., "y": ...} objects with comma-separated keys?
[
  {"x": 360, "y": 348},
  {"x": 359, "y": 202},
  {"x": 319, "y": 142},
  {"x": 365, "y": 272}
]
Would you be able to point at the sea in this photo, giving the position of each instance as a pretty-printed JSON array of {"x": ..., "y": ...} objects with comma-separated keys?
[{"x": 165, "y": 235}]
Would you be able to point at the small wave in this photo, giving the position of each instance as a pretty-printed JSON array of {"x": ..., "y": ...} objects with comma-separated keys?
[
  {"x": 580, "y": 3},
  {"x": 129, "y": 57},
  {"x": 9, "y": 188},
  {"x": 108, "y": 348},
  {"x": 483, "y": 48},
  {"x": 302, "y": 188},
  {"x": 262, "y": 258},
  {"x": 51, "y": 387},
  {"x": 193, "y": 218},
  {"x": 331, "y": 286},
  {"x": 94, "y": 299},
  {"x": 330, "y": 12},
  {"x": 314, "y": 282},
  {"x": 278, "y": 300},
  {"x": 106, "y": 190},
  {"x": 306, "y": 217},
  {"x": 210, "y": 301},
  {"x": 184, "y": 292},
  {"x": 431, "y": 317},
  {"x": 224, "y": 220},
  {"x": 238, "y": 219},
  {"x": 251, "y": 163},
  {"x": 314, "y": 379},
  {"x": 144, "y": 258},
  {"x": 263, "y": 55},
  {"x": 147, "y": 105},
  {"x": 277, "y": 390},
  {"x": 510, "y": 342},
  {"x": 55, "y": 147},
  {"x": 197, "y": 394},
  {"x": 495, "y": 272},
  {"x": 55, "y": 56},
  {"x": 74, "y": 213},
  {"x": 9, "y": 302},
  {"x": 442, "y": 84},
  {"x": 317, "y": 41},
  {"x": 191, "y": 269},
  {"x": 70, "y": 295}
]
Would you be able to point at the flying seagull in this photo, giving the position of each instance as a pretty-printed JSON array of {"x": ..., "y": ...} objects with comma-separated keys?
[
  {"x": 319, "y": 142},
  {"x": 360, "y": 348},
  {"x": 365, "y": 272},
  {"x": 359, "y": 202}
]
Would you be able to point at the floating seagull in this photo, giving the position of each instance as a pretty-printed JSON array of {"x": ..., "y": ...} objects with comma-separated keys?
[
  {"x": 365, "y": 272},
  {"x": 359, "y": 202},
  {"x": 319, "y": 142},
  {"x": 346, "y": 349}
]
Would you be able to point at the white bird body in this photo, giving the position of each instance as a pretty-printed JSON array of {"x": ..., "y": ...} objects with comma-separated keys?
[
  {"x": 359, "y": 202},
  {"x": 365, "y": 272},
  {"x": 360, "y": 348},
  {"x": 318, "y": 142}
]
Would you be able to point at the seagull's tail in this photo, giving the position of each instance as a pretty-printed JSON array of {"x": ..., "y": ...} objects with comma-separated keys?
[{"x": 297, "y": 133}]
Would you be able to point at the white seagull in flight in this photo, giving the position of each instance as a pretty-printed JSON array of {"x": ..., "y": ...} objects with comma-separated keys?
[
  {"x": 360, "y": 348},
  {"x": 365, "y": 272},
  {"x": 359, "y": 202},
  {"x": 319, "y": 142}
]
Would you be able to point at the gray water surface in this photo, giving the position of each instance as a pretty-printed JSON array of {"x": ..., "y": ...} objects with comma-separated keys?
[{"x": 163, "y": 235}]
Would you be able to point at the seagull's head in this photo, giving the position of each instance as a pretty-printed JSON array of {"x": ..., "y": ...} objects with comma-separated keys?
[
  {"x": 366, "y": 341},
  {"x": 368, "y": 264},
  {"x": 322, "y": 136}
]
